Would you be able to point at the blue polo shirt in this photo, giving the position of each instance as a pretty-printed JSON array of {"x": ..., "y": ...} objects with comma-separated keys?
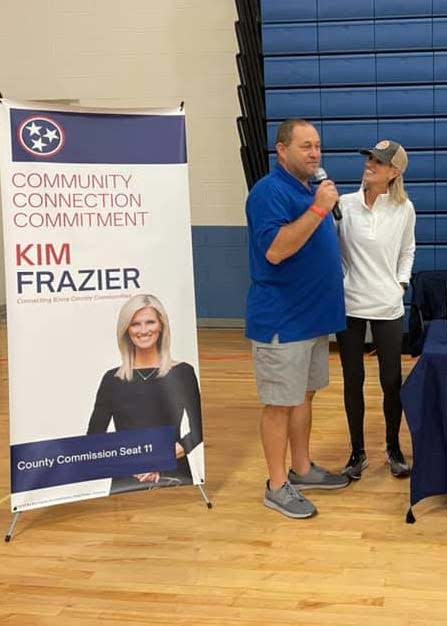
[{"x": 301, "y": 297}]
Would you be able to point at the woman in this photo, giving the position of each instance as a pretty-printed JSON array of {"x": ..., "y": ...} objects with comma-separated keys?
[
  {"x": 149, "y": 390},
  {"x": 378, "y": 245}
]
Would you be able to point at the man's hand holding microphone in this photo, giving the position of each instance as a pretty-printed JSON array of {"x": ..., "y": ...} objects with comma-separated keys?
[{"x": 326, "y": 198}]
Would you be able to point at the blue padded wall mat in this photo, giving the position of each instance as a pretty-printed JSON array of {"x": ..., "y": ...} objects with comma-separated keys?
[
  {"x": 362, "y": 71},
  {"x": 426, "y": 229},
  {"x": 293, "y": 10}
]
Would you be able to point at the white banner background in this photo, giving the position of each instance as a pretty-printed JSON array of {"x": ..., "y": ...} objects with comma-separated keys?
[{"x": 60, "y": 346}]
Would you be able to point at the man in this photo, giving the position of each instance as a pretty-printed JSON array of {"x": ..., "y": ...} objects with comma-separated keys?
[{"x": 295, "y": 301}]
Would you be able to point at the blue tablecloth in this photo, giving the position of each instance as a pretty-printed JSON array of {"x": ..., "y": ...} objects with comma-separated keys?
[{"x": 424, "y": 400}]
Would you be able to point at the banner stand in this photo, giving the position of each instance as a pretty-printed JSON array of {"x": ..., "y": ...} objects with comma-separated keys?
[
  {"x": 98, "y": 241},
  {"x": 10, "y": 534},
  {"x": 205, "y": 497}
]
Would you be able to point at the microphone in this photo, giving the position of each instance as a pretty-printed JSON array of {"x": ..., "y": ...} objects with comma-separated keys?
[{"x": 321, "y": 175}]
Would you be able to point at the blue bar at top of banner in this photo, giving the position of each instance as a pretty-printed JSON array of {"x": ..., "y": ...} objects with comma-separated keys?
[
  {"x": 103, "y": 138},
  {"x": 107, "y": 455}
]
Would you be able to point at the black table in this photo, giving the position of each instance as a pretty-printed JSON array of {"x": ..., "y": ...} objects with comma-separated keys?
[{"x": 424, "y": 400}]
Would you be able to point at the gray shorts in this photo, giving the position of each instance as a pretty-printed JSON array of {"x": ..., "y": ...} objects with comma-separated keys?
[{"x": 286, "y": 371}]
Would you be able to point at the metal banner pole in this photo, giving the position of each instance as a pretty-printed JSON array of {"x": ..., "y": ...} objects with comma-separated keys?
[
  {"x": 205, "y": 497},
  {"x": 9, "y": 535}
]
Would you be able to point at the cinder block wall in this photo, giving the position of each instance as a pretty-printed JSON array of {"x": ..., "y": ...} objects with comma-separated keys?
[{"x": 147, "y": 53}]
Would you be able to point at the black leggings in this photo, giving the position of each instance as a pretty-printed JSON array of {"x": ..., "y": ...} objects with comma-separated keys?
[{"x": 387, "y": 336}]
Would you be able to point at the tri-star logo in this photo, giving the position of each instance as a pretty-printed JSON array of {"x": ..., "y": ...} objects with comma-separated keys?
[{"x": 41, "y": 136}]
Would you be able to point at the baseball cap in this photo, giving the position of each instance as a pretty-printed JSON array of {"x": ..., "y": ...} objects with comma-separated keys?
[{"x": 390, "y": 153}]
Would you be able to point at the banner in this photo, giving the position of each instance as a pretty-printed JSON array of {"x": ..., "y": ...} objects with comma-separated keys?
[{"x": 102, "y": 346}]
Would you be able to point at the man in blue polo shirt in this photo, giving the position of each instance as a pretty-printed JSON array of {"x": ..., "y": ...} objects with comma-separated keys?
[{"x": 295, "y": 301}]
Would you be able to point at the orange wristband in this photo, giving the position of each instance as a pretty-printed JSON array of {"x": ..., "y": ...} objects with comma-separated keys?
[{"x": 318, "y": 210}]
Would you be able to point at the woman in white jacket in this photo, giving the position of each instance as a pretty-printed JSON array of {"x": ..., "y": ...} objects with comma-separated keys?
[{"x": 378, "y": 246}]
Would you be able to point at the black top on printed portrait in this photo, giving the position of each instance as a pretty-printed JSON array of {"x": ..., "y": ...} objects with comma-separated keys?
[{"x": 150, "y": 402}]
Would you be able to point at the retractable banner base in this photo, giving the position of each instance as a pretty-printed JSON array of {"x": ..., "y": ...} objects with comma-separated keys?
[{"x": 10, "y": 534}]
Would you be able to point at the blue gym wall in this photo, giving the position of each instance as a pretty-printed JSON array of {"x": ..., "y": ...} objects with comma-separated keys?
[
  {"x": 220, "y": 271},
  {"x": 361, "y": 70}
]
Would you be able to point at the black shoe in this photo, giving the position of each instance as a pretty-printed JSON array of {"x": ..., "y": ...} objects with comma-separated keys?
[
  {"x": 398, "y": 465},
  {"x": 356, "y": 464}
]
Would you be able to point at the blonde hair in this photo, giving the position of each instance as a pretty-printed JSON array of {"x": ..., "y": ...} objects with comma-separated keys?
[
  {"x": 126, "y": 347},
  {"x": 396, "y": 190}
]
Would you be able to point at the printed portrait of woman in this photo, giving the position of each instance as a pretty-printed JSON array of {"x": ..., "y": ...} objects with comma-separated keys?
[{"x": 149, "y": 390}]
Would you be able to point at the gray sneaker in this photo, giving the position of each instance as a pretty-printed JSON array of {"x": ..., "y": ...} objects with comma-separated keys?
[
  {"x": 318, "y": 478},
  {"x": 288, "y": 501}
]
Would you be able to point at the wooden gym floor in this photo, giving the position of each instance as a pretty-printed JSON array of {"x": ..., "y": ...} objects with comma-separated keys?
[{"x": 163, "y": 558}]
